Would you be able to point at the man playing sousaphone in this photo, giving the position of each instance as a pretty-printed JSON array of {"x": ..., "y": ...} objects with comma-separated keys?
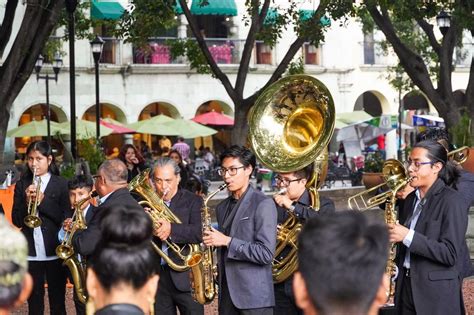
[{"x": 295, "y": 197}]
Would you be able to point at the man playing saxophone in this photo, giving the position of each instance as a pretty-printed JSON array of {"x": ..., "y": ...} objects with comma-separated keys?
[
  {"x": 294, "y": 197},
  {"x": 80, "y": 188},
  {"x": 174, "y": 288}
]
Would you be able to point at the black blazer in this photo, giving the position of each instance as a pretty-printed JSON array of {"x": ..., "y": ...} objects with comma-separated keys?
[
  {"x": 53, "y": 210},
  {"x": 85, "y": 241},
  {"x": 435, "y": 251},
  {"x": 187, "y": 207}
]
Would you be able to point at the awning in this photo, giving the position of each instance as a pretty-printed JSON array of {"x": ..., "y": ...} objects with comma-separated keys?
[
  {"x": 214, "y": 7},
  {"x": 106, "y": 10},
  {"x": 177, "y": 8},
  {"x": 308, "y": 14},
  {"x": 272, "y": 16}
]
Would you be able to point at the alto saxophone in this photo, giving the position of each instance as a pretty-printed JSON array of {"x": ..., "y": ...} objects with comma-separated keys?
[
  {"x": 204, "y": 275},
  {"x": 65, "y": 250}
]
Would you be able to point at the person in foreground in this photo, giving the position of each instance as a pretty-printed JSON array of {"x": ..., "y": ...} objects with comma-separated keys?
[
  {"x": 246, "y": 239},
  {"x": 15, "y": 281},
  {"x": 431, "y": 237},
  {"x": 122, "y": 276},
  {"x": 342, "y": 258}
]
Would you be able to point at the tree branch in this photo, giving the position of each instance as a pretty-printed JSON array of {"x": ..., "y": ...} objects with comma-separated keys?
[
  {"x": 6, "y": 27},
  {"x": 428, "y": 29},
  {"x": 255, "y": 27},
  {"x": 446, "y": 60},
  {"x": 207, "y": 54}
]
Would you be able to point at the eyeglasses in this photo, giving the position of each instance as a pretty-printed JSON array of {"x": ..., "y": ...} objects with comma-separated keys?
[
  {"x": 416, "y": 165},
  {"x": 232, "y": 171},
  {"x": 285, "y": 182}
]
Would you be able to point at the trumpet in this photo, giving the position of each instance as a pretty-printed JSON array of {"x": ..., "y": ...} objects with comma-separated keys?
[
  {"x": 459, "y": 155},
  {"x": 32, "y": 220},
  {"x": 159, "y": 210}
]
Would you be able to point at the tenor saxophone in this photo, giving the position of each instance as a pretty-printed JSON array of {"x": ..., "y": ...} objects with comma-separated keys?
[
  {"x": 65, "y": 250},
  {"x": 204, "y": 275}
]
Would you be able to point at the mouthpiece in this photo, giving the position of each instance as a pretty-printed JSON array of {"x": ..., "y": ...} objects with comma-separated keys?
[{"x": 281, "y": 191}]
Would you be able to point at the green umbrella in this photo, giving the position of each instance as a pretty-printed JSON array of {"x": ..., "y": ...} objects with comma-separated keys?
[
  {"x": 86, "y": 129},
  {"x": 36, "y": 129},
  {"x": 154, "y": 126},
  {"x": 189, "y": 129},
  {"x": 351, "y": 118}
]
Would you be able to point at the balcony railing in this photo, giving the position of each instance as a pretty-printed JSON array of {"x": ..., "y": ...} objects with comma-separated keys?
[{"x": 312, "y": 54}]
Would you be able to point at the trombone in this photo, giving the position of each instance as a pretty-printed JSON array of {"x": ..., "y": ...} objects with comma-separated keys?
[
  {"x": 459, "y": 155},
  {"x": 32, "y": 220}
]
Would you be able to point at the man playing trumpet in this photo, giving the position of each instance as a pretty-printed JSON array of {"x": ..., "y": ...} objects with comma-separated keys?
[{"x": 293, "y": 196}]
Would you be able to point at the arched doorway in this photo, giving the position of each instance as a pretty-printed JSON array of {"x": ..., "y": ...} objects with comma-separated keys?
[
  {"x": 370, "y": 103},
  {"x": 152, "y": 110},
  {"x": 221, "y": 140},
  {"x": 413, "y": 103},
  {"x": 39, "y": 112},
  {"x": 108, "y": 111}
]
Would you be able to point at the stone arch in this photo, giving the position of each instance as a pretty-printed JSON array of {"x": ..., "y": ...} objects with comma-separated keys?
[
  {"x": 221, "y": 139},
  {"x": 415, "y": 100},
  {"x": 38, "y": 111},
  {"x": 373, "y": 102}
]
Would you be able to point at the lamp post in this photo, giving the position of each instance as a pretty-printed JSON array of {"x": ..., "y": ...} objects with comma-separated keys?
[
  {"x": 57, "y": 64},
  {"x": 400, "y": 114},
  {"x": 96, "y": 47},
  {"x": 444, "y": 22}
]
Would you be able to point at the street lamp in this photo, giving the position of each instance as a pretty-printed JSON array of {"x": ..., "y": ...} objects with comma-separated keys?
[
  {"x": 399, "y": 78},
  {"x": 444, "y": 22},
  {"x": 96, "y": 47},
  {"x": 57, "y": 65}
]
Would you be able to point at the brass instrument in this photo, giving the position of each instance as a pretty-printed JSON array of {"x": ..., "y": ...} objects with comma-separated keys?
[
  {"x": 203, "y": 283},
  {"x": 290, "y": 125},
  {"x": 32, "y": 220},
  {"x": 158, "y": 210},
  {"x": 395, "y": 177},
  {"x": 65, "y": 250},
  {"x": 459, "y": 155}
]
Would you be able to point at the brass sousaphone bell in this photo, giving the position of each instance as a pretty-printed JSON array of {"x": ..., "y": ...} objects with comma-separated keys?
[{"x": 290, "y": 126}]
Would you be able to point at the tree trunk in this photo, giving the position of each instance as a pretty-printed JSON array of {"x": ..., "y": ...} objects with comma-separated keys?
[{"x": 241, "y": 126}]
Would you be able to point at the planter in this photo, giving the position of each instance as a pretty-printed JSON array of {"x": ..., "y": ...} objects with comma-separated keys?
[
  {"x": 372, "y": 179},
  {"x": 469, "y": 164}
]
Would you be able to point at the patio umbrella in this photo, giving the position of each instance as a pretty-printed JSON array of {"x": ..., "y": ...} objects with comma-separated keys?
[
  {"x": 188, "y": 129},
  {"x": 428, "y": 120},
  {"x": 117, "y": 129},
  {"x": 214, "y": 118},
  {"x": 36, "y": 129},
  {"x": 350, "y": 118},
  {"x": 87, "y": 129},
  {"x": 153, "y": 126}
]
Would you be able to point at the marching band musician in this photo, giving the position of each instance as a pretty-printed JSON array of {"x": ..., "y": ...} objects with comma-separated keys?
[
  {"x": 174, "y": 288},
  {"x": 295, "y": 197},
  {"x": 53, "y": 201},
  {"x": 246, "y": 239},
  {"x": 111, "y": 186},
  {"x": 80, "y": 188},
  {"x": 431, "y": 237}
]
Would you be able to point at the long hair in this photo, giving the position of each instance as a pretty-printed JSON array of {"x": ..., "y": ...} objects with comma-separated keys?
[
  {"x": 45, "y": 149},
  {"x": 438, "y": 153},
  {"x": 124, "y": 150}
]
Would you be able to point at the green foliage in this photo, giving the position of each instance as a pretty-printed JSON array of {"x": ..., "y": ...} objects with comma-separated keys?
[
  {"x": 67, "y": 171},
  {"x": 296, "y": 67},
  {"x": 374, "y": 163},
  {"x": 461, "y": 133},
  {"x": 90, "y": 150},
  {"x": 190, "y": 49}
]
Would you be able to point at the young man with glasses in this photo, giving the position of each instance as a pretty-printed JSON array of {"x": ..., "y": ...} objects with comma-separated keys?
[
  {"x": 246, "y": 239},
  {"x": 174, "y": 288},
  {"x": 294, "y": 197}
]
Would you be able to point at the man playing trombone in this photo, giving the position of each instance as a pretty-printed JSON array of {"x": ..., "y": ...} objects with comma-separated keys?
[
  {"x": 174, "y": 288},
  {"x": 293, "y": 196}
]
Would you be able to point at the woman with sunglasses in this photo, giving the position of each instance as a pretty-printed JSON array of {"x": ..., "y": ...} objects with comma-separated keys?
[
  {"x": 53, "y": 205},
  {"x": 431, "y": 237}
]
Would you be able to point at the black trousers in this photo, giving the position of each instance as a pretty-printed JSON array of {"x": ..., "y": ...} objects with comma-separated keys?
[
  {"x": 54, "y": 274},
  {"x": 227, "y": 307},
  {"x": 285, "y": 299},
  {"x": 406, "y": 305},
  {"x": 168, "y": 298}
]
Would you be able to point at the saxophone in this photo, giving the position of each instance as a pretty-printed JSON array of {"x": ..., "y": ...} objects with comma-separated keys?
[
  {"x": 65, "y": 251},
  {"x": 203, "y": 276}
]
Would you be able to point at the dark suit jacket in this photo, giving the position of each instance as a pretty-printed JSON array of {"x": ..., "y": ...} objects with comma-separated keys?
[
  {"x": 52, "y": 212},
  {"x": 85, "y": 241},
  {"x": 187, "y": 207},
  {"x": 435, "y": 251},
  {"x": 248, "y": 262}
]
